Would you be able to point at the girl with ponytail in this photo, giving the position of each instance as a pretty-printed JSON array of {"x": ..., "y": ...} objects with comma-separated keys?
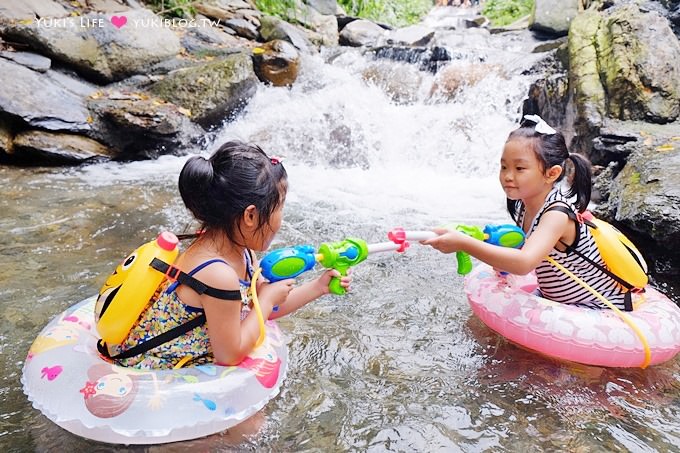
[
  {"x": 534, "y": 163},
  {"x": 237, "y": 196}
]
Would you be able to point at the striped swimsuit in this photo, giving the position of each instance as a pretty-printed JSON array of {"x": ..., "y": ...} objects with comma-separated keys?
[{"x": 557, "y": 286}]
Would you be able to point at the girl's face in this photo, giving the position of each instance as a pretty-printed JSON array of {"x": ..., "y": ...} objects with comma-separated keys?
[
  {"x": 269, "y": 230},
  {"x": 114, "y": 384},
  {"x": 522, "y": 175}
]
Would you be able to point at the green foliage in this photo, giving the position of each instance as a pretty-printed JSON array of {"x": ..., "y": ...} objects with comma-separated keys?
[
  {"x": 173, "y": 8},
  {"x": 394, "y": 12},
  {"x": 279, "y": 8},
  {"x": 504, "y": 12}
]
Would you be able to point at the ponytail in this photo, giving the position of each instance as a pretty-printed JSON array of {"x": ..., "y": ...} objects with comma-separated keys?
[
  {"x": 581, "y": 184},
  {"x": 194, "y": 183},
  {"x": 218, "y": 190}
]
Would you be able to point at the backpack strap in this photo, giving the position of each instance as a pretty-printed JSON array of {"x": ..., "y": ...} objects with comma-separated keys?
[
  {"x": 627, "y": 298},
  {"x": 173, "y": 273},
  {"x": 572, "y": 215},
  {"x": 154, "y": 342}
]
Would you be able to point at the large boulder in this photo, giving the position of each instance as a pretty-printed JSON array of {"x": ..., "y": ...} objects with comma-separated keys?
[
  {"x": 213, "y": 91},
  {"x": 625, "y": 64},
  {"x": 101, "y": 47},
  {"x": 137, "y": 126},
  {"x": 42, "y": 100},
  {"x": 645, "y": 195}
]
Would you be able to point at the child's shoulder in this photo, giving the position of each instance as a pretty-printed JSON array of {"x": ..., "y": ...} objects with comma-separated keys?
[{"x": 212, "y": 270}]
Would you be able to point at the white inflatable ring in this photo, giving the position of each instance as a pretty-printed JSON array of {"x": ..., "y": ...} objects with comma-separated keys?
[
  {"x": 67, "y": 380},
  {"x": 593, "y": 337}
]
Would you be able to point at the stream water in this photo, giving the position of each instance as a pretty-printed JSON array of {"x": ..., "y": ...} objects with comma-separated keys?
[{"x": 400, "y": 363}]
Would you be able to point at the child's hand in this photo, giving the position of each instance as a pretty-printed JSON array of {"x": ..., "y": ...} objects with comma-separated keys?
[
  {"x": 275, "y": 293},
  {"x": 447, "y": 241},
  {"x": 325, "y": 279}
]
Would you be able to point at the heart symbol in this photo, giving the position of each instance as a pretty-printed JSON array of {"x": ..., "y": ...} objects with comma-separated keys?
[{"x": 118, "y": 21}]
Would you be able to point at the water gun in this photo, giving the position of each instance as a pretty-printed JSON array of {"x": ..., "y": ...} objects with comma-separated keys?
[
  {"x": 503, "y": 235},
  {"x": 289, "y": 262}
]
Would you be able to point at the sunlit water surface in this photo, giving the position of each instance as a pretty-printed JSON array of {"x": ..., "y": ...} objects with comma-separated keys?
[{"x": 400, "y": 363}]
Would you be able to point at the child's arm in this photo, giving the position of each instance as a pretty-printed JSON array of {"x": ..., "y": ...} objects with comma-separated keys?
[
  {"x": 552, "y": 226},
  {"x": 303, "y": 294},
  {"x": 232, "y": 339}
]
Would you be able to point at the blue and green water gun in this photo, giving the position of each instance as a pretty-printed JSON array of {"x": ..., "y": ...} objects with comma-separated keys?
[
  {"x": 506, "y": 235},
  {"x": 289, "y": 262}
]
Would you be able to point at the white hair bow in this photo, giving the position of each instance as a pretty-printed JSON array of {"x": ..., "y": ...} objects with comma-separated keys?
[{"x": 541, "y": 125}]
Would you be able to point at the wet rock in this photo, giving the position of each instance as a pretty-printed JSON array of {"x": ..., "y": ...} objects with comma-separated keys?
[
  {"x": 361, "y": 33},
  {"x": 140, "y": 127},
  {"x": 326, "y": 7},
  {"x": 31, "y": 60},
  {"x": 400, "y": 82},
  {"x": 323, "y": 28},
  {"x": 213, "y": 91},
  {"x": 645, "y": 196},
  {"x": 550, "y": 98},
  {"x": 242, "y": 28},
  {"x": 642, "y": 74},
  {"x": 39, "y": 100},
  {"x": 101, "y": 51},
  {"x": 426, "y": 58},
  {"x": 454, "y": 77},
  {"x": 238, "y": 17},
  {"x": 553, "y": 16},
  {"x": 30, "y": 9},
  {"x": 42, "y": 147},
  {"x": 625, "y": 64},
  {"x": 5, "y": 138},
  {"x": 276, "y": 62},
  {"x": 614, "y": 143},
  {"x": 108, "y": 6},
  {"x": 203, "y": 42},
  {"x": 415, "y": 35},
  {"x": 273, "y": 28}
]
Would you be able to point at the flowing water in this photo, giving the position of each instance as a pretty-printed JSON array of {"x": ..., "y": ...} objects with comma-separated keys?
[{"x": 400, "y": 363}]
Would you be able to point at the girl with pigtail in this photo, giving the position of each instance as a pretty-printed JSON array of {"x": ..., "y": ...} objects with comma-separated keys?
[{"x": 533, "y": 165}]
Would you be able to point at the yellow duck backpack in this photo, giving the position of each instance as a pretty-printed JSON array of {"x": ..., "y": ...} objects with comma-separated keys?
[
  {"x": 624, "y": 262},
  {"x": 133, "y": 284}
]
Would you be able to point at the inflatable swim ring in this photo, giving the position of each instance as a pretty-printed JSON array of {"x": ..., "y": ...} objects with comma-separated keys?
[
  {"x": 67, "y": 380},
  {"x": 508, "y": 306}
]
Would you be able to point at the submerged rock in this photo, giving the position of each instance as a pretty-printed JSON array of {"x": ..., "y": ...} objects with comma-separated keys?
[{"x": 56, "y": 148}]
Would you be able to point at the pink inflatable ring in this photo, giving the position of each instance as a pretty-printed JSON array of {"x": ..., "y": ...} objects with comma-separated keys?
[{"x": 508, "y": 306}]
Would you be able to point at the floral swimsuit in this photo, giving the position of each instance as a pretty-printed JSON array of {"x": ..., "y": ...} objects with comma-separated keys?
[{"x": 168, "y": 311}]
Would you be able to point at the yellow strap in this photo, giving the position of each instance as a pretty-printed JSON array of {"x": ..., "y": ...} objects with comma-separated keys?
[
  {"x": 622, "y": 315},
  {"x": 256, "y": 306},
  {"x": 182, "y": 362}
]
